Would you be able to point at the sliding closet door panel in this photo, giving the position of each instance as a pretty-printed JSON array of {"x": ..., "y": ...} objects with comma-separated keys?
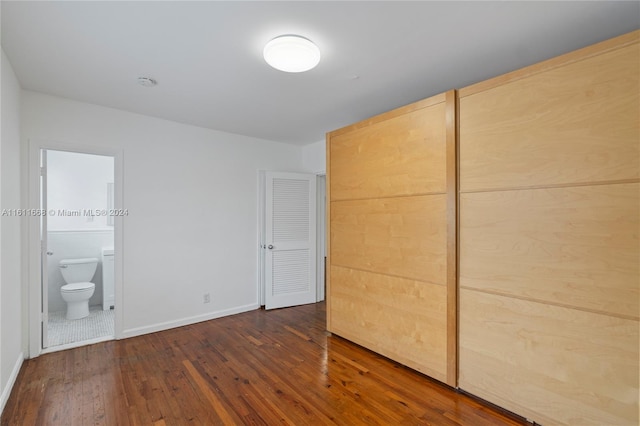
[
  {"x": 549, "y": 237},
  {"x": 402, "y": 319},
  {"x": 391, "y": 282},
  {"x": 404, "y": 236},
  {"x": 575, "y": 246},
  {"x": 574, "y": 124},
  {"x": 549, "y": 363},
  {"x": 403, "y": 155}
]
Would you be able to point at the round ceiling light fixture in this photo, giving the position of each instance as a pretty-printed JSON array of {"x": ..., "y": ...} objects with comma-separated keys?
[{"x": 291, "y": 53}]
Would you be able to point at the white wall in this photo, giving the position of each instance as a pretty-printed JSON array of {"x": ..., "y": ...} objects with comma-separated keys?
[
  {"x": 191, "y": 194},
  {"x": 314, "y": 157},
  {"x": 11, "y": 344},
  {"x": 77, "y": 183}
]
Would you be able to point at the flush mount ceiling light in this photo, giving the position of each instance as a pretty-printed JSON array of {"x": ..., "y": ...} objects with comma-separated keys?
[
  {"x": 147, "y": 82},
  {"x": 291, "y": 53}
]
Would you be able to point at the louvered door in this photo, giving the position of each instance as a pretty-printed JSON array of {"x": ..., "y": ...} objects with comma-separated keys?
[{"x": 290, "y": 258}]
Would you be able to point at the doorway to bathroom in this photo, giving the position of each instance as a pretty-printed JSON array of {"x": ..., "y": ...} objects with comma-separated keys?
[{"x": 77, "y": 240}]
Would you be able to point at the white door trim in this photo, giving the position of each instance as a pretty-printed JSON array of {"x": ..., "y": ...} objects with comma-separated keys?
[
  {"x": 321, "y": 235},
  {"x": 44, "y": 253},
  {"x": 33, "y": 252},
  {"x": 262, "y": 187}
]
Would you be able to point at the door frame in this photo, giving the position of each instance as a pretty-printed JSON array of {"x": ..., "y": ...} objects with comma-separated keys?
[
  {"x": 321, "y": 235},
  {"x": 44, "y": 250},
  {"x": 34, "y": 250}
]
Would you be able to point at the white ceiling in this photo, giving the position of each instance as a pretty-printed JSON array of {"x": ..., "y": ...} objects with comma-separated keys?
[{"x": 207, "y": 56}]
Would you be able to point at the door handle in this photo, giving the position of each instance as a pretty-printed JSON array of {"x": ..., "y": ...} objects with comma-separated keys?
[
  {"x": 270, "y": 246},
  {"x": 49, "y": 253}
]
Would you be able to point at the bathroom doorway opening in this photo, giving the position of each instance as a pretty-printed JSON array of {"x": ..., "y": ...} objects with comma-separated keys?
[{"x": 77, "y": 231}]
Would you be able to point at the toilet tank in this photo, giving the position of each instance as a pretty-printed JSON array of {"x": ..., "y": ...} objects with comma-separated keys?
[{"x": 78, "y": 270}]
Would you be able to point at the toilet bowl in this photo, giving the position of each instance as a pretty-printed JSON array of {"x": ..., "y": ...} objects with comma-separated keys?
[{"x": 78, "y": 290}]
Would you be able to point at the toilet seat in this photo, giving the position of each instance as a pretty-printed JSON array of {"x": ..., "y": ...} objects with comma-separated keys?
[{"x": 74, "y": 287}]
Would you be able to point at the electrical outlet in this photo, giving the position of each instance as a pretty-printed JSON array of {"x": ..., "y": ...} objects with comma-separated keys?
[{"x": 206, "y": 298}]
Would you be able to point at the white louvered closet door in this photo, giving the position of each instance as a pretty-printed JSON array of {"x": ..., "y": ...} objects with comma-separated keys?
[{"x": 290, "y": 259}]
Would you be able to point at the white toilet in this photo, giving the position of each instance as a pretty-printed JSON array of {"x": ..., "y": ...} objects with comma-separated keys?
[{"x": 78, "y": 290}]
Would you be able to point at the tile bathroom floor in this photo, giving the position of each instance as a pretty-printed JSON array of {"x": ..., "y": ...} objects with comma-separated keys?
[{"x": 61, "y": 331}]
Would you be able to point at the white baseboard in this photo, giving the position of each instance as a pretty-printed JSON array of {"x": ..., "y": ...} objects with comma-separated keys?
[
  {"x": 6, "y": 392},
  {"x": 138, "y": 331}
]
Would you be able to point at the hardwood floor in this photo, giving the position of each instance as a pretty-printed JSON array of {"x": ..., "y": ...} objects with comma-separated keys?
[{"x": 256, "y": 368}]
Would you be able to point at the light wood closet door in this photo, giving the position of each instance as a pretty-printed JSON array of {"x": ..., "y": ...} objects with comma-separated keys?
[
  {"x": 392, "y": 277},
  {"x": 549, "y": 237}
]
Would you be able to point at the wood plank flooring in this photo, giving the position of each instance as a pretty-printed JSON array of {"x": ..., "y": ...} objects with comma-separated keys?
[{"x": 256, "y": 368}]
